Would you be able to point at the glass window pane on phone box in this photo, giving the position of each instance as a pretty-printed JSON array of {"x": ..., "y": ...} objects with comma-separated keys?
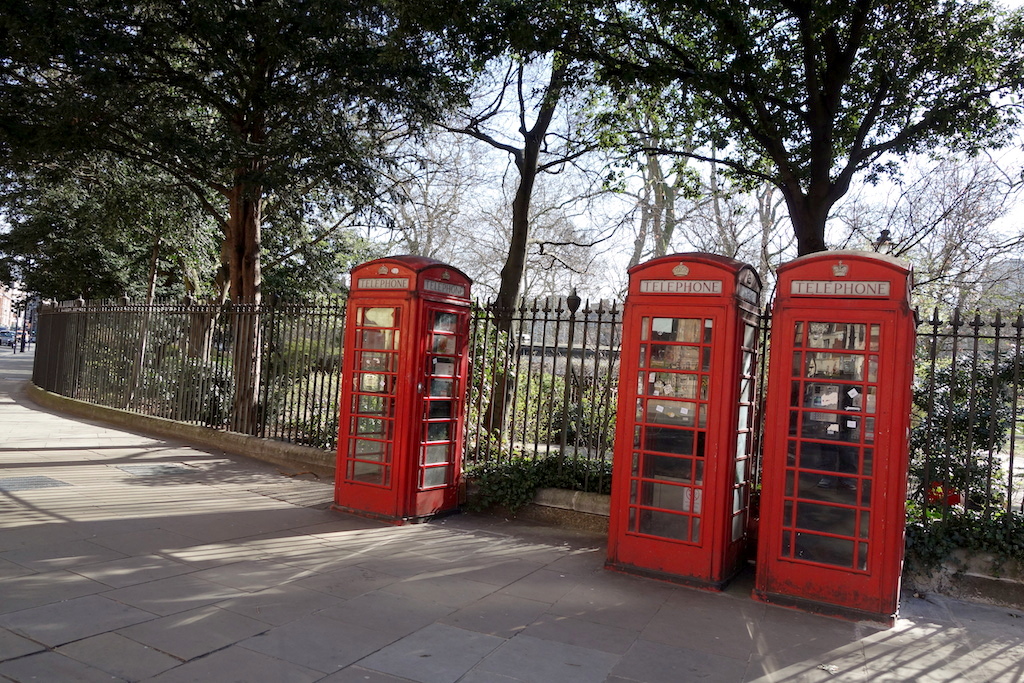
[
  {"x": 379, "y": 339},
  {"x": 442, "y": 387},
  {"x": 678, "y": 413},
  {"x": 827, "y": 487},
  {"x": 830, "y": 519},
  {"x": 688, "y": 330},
  {"x": 445, "y": 322},
  {"x": 443, "y": 366},
  {"x": 668, "y": 440},
  {"x": 667, "y": 468},
  {"x": 435, "y": 476},
  {"x": 438, "y": 431},
  {"x": 367, "y": 473},
  {"x": 376, "y": 451},
  {"x": 835, "y": 335},
  {"x": 376, "y": 384},
  {"x": 670, "y": 497},
  {"x": 665, "y": 525},
  {"x": 824, "y": 549},
  {"x": 443, "y": 343},
  {"x": 671, "y": 384},
  {"x": 373, "y": 405},
  {"x": 377, "y": 361},
  {"x": 830, "y": 457},
  {"x": 439, "y": 409},
  {"x": 672, "y": 357},
  {"x": 749, "y": 337},
  {"x": 379, "y": 317},
  {"x": 373, "y": 427},
  {"x": 826, "y": 365},
  {"x": 437, "y": 453}
]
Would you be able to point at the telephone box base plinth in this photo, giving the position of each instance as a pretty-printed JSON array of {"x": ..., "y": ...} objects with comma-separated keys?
[
  {"x": 691, "y": 582},
  {"x": 396, "y": 521},
  {"x": 825, "y": 609}
]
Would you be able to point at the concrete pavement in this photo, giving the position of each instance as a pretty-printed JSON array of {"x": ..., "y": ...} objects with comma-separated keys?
[{"x": 129, "y": 558}]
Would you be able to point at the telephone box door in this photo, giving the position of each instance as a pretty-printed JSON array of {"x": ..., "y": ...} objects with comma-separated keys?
[
  {"x": 443, "y": 382},
  {"x": 370, "y": 414},
  {"x": 835, "y": 455},
  {"x": 668, "y": 500}
]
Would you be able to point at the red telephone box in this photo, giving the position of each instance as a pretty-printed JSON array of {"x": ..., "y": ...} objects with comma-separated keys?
[
  {"x": 404, "y": 371},
  {"x": 684, "y": 436},
  {"x": 834, "y": 472}
]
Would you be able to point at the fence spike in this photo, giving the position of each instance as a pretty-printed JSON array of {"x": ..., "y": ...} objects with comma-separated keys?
[
  {"x": 977, "y": 323},
  {"x": 998, "y": 323}
]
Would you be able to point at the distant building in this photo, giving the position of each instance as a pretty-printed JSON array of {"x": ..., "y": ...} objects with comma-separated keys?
[
  {"x": 7, "y": 301},
  {"x": 11, "y": 305}
]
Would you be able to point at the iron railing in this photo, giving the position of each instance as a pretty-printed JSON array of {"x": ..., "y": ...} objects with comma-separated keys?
[
  {"x": 967, "y": 424},
  {"x": 544, "y": 382},
  {"x": 178, "y": 361}
]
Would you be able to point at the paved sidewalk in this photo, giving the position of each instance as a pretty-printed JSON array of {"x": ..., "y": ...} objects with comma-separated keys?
[{"x": 124, "y": 557}]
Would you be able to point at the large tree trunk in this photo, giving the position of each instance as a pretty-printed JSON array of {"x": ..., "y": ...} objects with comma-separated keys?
[
  {"x": 245, "y": 215},
  {"x": 515, "y": 262},
  {"x": 512, "y": 277},
  {"x": 808, "y": 215},
  {"x": 527, "y": 162}
]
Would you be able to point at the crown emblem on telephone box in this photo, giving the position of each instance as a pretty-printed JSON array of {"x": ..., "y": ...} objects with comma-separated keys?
[{"x": 840, "y": 269}]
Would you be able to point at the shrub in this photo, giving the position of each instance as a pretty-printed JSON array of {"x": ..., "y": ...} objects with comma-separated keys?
[
  {"x": 512, "y": 483},
  {"x": 932, "y": 538}
]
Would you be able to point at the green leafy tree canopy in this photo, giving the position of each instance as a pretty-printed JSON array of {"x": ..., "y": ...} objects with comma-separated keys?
[{"x": 805, "y": 94}]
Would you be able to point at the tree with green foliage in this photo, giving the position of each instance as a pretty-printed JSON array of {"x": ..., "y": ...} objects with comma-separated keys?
[
  {"x": 251, "y": 104},
  {"x": 806, "y": 94},
  {"x": 100, "y": 228},
  {"x": 248, "y": 104}
]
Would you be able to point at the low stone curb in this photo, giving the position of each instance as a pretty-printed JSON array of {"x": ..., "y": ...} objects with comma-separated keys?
[{"x": 971, "y": 577}]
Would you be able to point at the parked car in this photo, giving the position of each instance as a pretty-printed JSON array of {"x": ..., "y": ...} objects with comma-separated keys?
[{"x": 7, "y": 338}]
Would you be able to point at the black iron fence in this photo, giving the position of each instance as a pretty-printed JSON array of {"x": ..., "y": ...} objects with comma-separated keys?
[
  {"x": 544, "y": 383},
  {"x": 967, "y": 426},
  {"x": 178, "y": 361}
]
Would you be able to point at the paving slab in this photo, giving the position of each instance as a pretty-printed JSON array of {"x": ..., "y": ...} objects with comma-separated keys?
[
  {"x": 658, "y": 663},
  {"x": 497, "y": 614},
  {"x": 172, "y": 595},
  {"x": 69, "y": 620},
  {"x": 280, "y": 604},
  {"x": 53, "y": 666},
  {"x": 239, "y": 664},
  {"x": 394, "y": 615},
  {"x": 437, "y": 653},
  {"x": 533, "y": 660},
  {"x": 190, "y": 634},
  {"x": 133, "y": 570},
  {"x": 319, "y": 643},
  {"x": 119, "y": 656},
  {"x": 13, "y": 645}
]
